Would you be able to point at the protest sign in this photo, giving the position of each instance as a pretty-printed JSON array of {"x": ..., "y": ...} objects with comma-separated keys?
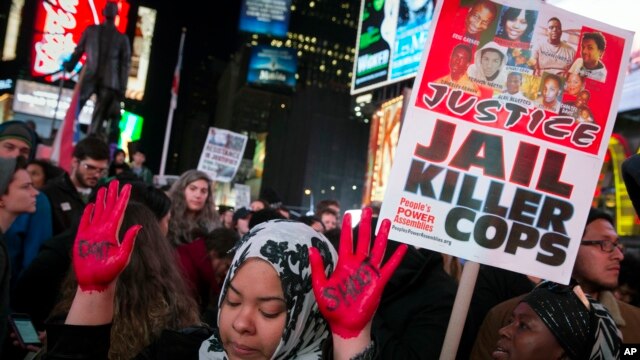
[
  {"x": 505, "y": 134},
  {"x": 222, "y": 154}
]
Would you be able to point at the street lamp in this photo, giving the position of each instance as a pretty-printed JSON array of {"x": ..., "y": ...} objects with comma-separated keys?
[{"x": 310, "y": 194}]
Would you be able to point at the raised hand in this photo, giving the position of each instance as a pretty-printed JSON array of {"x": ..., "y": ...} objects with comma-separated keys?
[
  {"x": 98, "y": 256},
  {"x": 349, "y": 298}
]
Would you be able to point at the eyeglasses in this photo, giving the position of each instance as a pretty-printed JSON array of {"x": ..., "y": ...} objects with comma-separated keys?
[
  {"x": 607, "y": 246},
  {"x": 93, "y": 169}
]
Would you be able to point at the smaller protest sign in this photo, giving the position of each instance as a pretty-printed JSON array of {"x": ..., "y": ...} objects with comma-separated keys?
[{"x": 222, "y": 154}]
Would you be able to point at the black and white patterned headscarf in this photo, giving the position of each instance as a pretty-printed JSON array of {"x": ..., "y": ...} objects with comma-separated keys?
[
  {"x": 285, "y": 245},
  {"x": 583, "y": 327}
]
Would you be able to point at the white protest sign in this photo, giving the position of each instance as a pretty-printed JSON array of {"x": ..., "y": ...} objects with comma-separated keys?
[
  {"x": 222, "y": 154},
  {"x": 505, "y": 134}
]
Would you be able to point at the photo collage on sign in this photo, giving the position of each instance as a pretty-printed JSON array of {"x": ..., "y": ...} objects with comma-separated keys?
[{"x": 537, "y": 59}]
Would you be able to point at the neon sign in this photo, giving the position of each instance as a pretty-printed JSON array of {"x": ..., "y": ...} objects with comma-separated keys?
[{"x": 58, "y": 27}]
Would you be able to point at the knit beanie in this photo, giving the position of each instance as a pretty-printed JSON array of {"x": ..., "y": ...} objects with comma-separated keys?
[
  {"x": 18, "y": 130},
  {"x": 7, "y": 168}
]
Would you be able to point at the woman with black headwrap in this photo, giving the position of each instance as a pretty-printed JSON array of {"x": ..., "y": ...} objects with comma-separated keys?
[{"x": 559, "y": 322}]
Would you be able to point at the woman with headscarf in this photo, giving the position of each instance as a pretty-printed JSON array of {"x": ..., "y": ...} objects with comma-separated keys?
[
  {"x": 559, "y": 322},
  {"x": 267, "y": 307}
]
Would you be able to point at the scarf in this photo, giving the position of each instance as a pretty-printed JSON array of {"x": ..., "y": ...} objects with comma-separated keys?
[
  {"x": 284, "y": 245},
  {"x": 582, "y": 326}
]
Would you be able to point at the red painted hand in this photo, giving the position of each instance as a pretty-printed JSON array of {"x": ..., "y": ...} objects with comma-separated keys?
[
  {"x": 98, "y": 256},
  {"x": 350, "y": 297}
]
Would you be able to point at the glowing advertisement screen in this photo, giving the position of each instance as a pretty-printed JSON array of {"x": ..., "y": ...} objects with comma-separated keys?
[
  {"x": 45, "y": 100},
  {"x": 57, "y": 30},
  {"x": 130, "y": 129},
  {"x": 383, "y": 139},
  {"x": 391, "y": 37},
  {"x": 272, "y": 66},
  {"x": 141, "y": 52},
  {"x": 269, "y": 17}
]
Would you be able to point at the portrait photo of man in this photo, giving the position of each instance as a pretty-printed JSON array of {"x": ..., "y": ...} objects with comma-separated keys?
[
  {"x": 457, "y": 78},
  {"x": 552, "y": 55}
]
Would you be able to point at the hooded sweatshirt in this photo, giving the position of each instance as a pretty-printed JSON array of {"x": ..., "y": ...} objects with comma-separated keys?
[{"x": 496, "y": 80}]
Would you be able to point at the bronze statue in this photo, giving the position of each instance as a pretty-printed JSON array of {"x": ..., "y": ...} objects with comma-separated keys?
[{"x": 106, "y": 70}]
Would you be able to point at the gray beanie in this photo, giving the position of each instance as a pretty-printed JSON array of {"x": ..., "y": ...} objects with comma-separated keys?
[
  {"x": 15, "y": 129},
  {"x": 7, "y": 168}
]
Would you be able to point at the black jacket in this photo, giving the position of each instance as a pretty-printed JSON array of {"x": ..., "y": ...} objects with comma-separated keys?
[
  {"x": 631, "y": 177},
  {"x": 66, "y": 204},
  {"x": 414, "y": 312},
  {"x": 37, "y": 291}
]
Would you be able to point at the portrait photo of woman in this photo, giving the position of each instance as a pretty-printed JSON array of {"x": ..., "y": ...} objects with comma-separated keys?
[{"x": 515, "y": 27}]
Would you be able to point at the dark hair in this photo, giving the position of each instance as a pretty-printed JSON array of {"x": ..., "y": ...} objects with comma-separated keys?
[
  {"x": 586, "y": 91},
  {"x": 91, "y": 147},
  {"x": 323, "y": 204},
  {"x": 553, "y": 77},
  {"x": 124, "y": 167},
  {"x": 555, "y": 19},
  {"x": 223, "y": 209},
  {"x": 154, "y": 199},
  {"x": 264, "y": 202},
  {"x": 50, "y": 171},
  {"x": 489, "y": 5},
  {"x": 157, "y": 201},
  {"x": 597, "y": 37},
  {"x": 516, "y": 74},
  {"x": 116, "y": 152},
  {"x": 483, "y": 51},
  {"x": 333, "y": 236},
  {"x": 264, "y": 215},
  {"x": 327, "y": 211},
  {"x": 151, "y": 295},
  {"x": 511, "y": 14},
  {"x": 310, "y": 220},
  {"x": 221, "y": 240},
  {"x": 595, "y": 214},
  {"x": 465, "y": 48}
]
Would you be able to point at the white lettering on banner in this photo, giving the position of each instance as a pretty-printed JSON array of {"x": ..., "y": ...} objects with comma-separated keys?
[
  {"x": 272, "y": 76},
  {"x": 55, "y": 41},
  {"x": 371, "y": 61}
]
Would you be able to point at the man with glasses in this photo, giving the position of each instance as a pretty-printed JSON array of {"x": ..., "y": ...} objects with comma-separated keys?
[
  {"x": 69, "y": 193},
  {"x": 596, "y": 270}
]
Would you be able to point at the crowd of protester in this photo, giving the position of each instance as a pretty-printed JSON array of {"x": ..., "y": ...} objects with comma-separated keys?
[{"x": 180, "y": 277}]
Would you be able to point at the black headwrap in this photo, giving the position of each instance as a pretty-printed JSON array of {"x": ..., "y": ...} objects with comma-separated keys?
[{"x": 582, "y": 326}]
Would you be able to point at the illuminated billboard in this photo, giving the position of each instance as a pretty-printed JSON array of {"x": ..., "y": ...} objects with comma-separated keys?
[
  {"x": 140, "y": 53},
  {"x": 272, "y": 66},
  {"x": 269, "y": 17},
  {"x": 383, "y": 138},
  {"x": 391, "y": 37},
  {"x": 130, "y": 130},
  {"x": 58, "y": 28},
  {"x": 48, "y": 101}
]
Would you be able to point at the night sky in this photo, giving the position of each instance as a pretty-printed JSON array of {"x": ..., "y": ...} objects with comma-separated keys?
[{"x": 211, "y": 35}]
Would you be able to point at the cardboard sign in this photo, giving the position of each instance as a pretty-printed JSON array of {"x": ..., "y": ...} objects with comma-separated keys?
[
  {"x": 222, "y": 154},
  {"x": 505, "y": 134}
]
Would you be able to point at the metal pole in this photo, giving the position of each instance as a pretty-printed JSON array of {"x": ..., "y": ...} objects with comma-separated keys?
[{"x": 167, "y": 133}]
